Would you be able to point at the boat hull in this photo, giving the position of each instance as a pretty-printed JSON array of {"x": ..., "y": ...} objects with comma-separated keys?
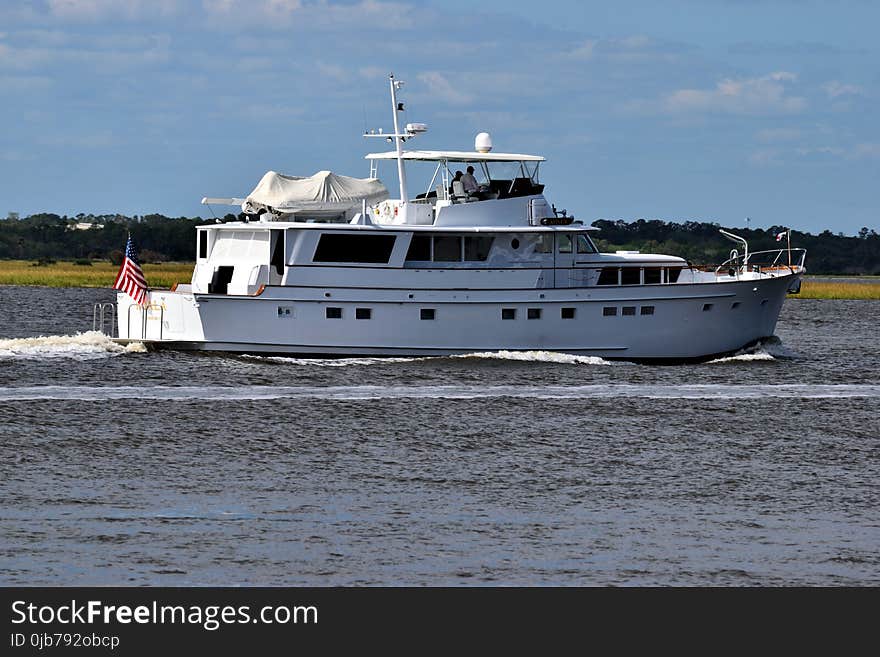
[{"x": 664, "y": 322}]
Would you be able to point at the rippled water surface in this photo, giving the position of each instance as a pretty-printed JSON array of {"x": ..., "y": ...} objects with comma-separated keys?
[{"x": 125, "y": 467}]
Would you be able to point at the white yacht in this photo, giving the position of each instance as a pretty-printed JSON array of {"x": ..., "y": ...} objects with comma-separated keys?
[{"x": 455, "y": 269}]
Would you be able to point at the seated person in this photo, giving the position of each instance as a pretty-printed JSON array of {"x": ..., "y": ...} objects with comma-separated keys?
[
  {"x": 470, "y": 183},
  {"x": 457, "y": 178}
]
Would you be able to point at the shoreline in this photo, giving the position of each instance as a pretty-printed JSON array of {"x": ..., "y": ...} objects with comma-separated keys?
[{"x": 63, "y": 274}]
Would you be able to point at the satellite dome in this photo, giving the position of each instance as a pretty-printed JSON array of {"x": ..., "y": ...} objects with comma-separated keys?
[{"x": 483, "y": 143}]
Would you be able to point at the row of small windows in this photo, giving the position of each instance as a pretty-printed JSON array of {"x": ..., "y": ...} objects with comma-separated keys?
[
  {"x": 450, "y": 248},
  {"x": 638, "y": 275},
  {"x": 627, "y": 311},
  {"x": 335, "y": 312}
]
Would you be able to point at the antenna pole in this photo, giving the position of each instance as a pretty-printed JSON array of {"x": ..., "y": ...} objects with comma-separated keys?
[{"x": 401, "y": 172}]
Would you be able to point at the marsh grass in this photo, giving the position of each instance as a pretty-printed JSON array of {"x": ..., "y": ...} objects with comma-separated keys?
[
  {"x": 102, "y": 274},
  {"x": 838, "y": 290},
  {"x": 98, "y": 274}
]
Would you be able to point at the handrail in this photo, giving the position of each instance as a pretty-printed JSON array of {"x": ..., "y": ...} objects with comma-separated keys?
[
  {"x": 144, "y": 317},
  {"x": 741, "y": 262}
]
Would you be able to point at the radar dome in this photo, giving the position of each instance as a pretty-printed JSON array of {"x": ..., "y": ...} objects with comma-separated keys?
[{"x": 483, "y": 143}]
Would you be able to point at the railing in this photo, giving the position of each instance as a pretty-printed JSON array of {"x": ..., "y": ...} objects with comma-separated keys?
[
  {"x": 764, "y": 261},
  {"x": 145, "y": 315},
  {"x": 101, "y": 312}
]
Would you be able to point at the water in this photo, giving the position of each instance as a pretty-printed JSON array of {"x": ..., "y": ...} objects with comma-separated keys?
[{"x": 125, "y": 467}]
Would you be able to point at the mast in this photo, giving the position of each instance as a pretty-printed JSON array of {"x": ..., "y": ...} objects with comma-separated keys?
[{"x": 398, "y": 138}]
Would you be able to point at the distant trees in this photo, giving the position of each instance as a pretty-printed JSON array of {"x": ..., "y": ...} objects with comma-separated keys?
[
  {"x": 160, "y": 238},
  {"x": 701, "y": 243}
]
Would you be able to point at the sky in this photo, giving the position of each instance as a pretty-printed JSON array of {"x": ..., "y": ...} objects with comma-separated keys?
[{"x": 700, "y": 110}]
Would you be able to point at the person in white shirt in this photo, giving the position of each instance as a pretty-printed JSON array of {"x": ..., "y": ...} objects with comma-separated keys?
[{"x": 469, "y": 182}]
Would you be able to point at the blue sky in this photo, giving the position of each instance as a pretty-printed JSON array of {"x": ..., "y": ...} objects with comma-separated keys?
[{"x": 710, "y": 110}]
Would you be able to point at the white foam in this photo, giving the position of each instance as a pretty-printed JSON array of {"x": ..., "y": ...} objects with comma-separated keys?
[
  {"x": 80, "y": 346},
  {"x": 528, "y": 356},
  {"x": 540, "y": 357},
  {"x": 331, "y": 362},
  {"x": 365, "y": 393}
]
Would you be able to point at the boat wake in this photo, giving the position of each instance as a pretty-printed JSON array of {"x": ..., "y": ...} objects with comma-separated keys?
[
  {"x": 539, "y": 357},
  {"x": 527, "y": 356},
  {"x": 765, "y": 350},
  {"x": 367, "y": 393},
  {"x": 90, "y": 345}
]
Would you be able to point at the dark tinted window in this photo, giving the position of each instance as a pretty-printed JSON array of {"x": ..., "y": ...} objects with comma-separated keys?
[
  {"x": 534, "y": 313},
  {"x": 652, "y": 275},
  {"x": 508, "y": 313},
  {"x": 203, "y": 244},
  {"x": 363, "y": 313},
  {"x": 427, "y": 313},
  {"x": 447, "y": 248},
  {"x": 477, "y": 247},
  {"x": 277, "y": 259},
  {"x": 672, "y": 275},
  {"x": 334, "y": 313},
  {"x": 568, "y": 313},
  {"x": 419, "y": 248},
  {"x": 608, "y": 276},
  {"x": 354, "y": 248},
  {"x": 647, "y": 310},
  {"x": 629, "y": 276},
  {"x": 609, "y": 311},
  {"x": 629, "y": 310}
]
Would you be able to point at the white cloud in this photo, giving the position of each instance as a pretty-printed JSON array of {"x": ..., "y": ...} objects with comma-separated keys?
[
  {"x": 443, "y": 90},
  {"x": 761, "y": 95},
  {"x": 836, "y": 89},
  {"x": 92, "y": 10}
]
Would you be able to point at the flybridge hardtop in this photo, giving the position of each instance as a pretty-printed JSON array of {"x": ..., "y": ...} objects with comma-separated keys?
[{"x": 478, "y": 261}]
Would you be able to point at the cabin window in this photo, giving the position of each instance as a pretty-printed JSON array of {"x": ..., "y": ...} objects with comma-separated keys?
[
  {"x": 363, "y": 313},
  {"x": 608, "y": 276},
  {"x": 427, "y": 313},
  {"x": 584, "y": 245},
  {"x": 629, "y": 311},
  {"x": 647, "y": 310},
  {"x": 609, "y": 311},
  {"x": 734, "y": 305},
  {"x": 419, "y": 248},
  {"x": 672, "y": 274},
  {"x": 220, "y": 282},
  {"x": 568, "y": 313},
  {"x": 447, "y": 248},
  {"x": 203, "y": 244},
  {"x": 707, "y": 307},
  {"x": 508, "y": 313},
  {"x": 477, "y": 247},
  {"x": 564, "y": 243},
  {"x": 334, "y": 313},
  {"x": 375, "y": 249},
  {"x": 533, "y": 313},
  {"x": 652, "y": 275},
  {"x": 630, "y": 276},
  {"x": 514, "y": 244},
  {"x": 544, "y": 243}
]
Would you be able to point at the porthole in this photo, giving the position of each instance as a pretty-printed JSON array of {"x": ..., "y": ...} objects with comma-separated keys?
[{"x": 514, "y": 244}]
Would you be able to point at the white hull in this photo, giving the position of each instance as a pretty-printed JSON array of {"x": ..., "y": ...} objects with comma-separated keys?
[{"x": 736, "y": 314}]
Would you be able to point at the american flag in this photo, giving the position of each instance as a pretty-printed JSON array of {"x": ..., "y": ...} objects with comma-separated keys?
[{"x": 130, "y": 278}]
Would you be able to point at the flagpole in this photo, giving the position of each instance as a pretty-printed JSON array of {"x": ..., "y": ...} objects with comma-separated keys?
[{"x": 788, "y": 239}]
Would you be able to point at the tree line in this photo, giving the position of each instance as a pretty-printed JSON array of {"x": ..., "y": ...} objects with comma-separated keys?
[{"x": 158, "y": 238}]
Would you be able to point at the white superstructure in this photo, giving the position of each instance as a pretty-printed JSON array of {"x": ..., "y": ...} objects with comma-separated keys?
[{"x": 452, "y": 271}]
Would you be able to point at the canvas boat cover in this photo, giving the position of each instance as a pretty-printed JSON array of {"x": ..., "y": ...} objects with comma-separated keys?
[{"x": 323, "y": 191}]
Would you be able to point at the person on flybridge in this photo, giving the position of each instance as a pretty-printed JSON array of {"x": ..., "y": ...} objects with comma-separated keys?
[{"x": 469, "y": 182}]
